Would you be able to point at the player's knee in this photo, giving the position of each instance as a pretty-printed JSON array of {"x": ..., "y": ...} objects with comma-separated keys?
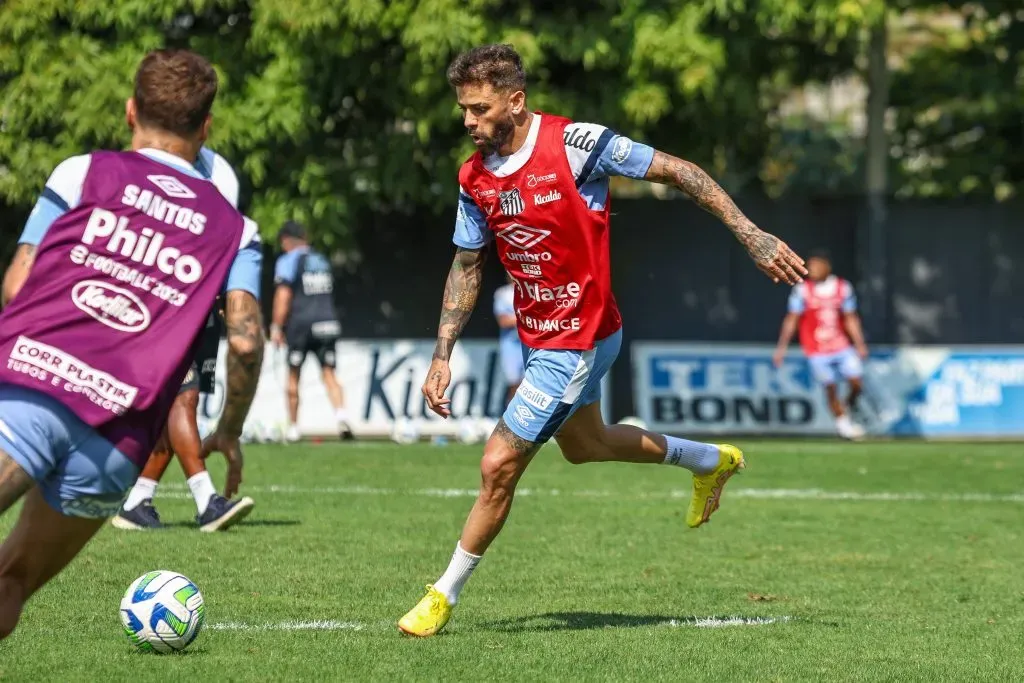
[
  {"x": 498, "y": 473},
  {"x": 580, "y": 447},
  {"x": 581, "y": 451}
]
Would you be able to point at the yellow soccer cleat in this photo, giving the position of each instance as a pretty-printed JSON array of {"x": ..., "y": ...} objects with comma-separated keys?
[
  {"x": 428, "y": 616},
  {"x": 707, "y": 488}
]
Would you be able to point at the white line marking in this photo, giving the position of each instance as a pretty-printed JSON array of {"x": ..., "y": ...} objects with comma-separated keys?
[
  {"x": 178, "y": 491},
  {"x": 319, "y": 625},
  {"x": 719, "y": 622}
]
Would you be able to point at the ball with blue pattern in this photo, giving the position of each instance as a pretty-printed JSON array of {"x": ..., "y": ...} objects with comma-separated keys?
[{"x": 162, "y": 612}]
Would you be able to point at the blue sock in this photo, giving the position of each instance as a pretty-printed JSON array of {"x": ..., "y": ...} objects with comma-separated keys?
[{"x": 699, "y": 458}]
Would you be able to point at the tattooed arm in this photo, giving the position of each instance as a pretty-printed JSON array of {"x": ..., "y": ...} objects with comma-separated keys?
[
  {"x": 771, "y": 254},
  {"x": 461, "y": 290},
  {"x": 17, "y": 272},
  {"x": 245, "y": 358},
  {"x": 460, "y": 294}
]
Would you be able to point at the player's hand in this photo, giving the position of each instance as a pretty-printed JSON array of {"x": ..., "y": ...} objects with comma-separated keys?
[
  {"x": 232, "y": 450},
  {"x": 778, "y": 357},
  {"x": 862, "y": 351},
  {"x": 438, "y": 378},
  {"x": 774, "y": 257},
  {"x": 276, "y": 336}
]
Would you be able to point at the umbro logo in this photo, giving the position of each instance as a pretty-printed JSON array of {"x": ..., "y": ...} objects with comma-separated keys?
[
  {"x": 524, "y": 415},
  {"x": 511, "y": 202},
  {"x": 522, "y": 236},
  {"x": 171, "y": 186}
]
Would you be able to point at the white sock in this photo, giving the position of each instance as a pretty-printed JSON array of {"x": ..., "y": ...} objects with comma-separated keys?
[
  {"x": 144, "y": 489},
  {"x": 341, "y": 415},
  {"x": 699, "y": 458},
  {"x": 843, "y": 422},
  {"x": 454, "y": 578},
  {"x": 202, "y": 488}
]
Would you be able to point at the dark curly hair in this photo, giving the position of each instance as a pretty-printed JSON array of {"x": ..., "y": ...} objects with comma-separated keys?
[{"x": 498, "y": 65}]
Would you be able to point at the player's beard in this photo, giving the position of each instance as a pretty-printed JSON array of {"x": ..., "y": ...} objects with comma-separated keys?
[{"x": 502, "y": 133}]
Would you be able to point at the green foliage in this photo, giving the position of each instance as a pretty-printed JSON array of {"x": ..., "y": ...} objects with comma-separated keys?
[
  {"x": 958, "y": 102},
  {"x": 332, "y": 109}
]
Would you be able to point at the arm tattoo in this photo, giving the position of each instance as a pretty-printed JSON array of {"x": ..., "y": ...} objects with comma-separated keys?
[
  {"x": 245, "y": 358},
  {"x": 708, "y": 195},
  {"x": 460, "y": 294},
  {"x": 17, "y": 272},
  {"x": 520, "y": 445},
  {"x": 26, "y": 255}
]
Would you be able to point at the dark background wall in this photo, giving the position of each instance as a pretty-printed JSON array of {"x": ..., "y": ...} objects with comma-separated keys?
[{"x": 955, "y": 273}]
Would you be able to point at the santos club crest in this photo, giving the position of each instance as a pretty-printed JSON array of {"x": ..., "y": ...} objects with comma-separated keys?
[{"x": 511, "y": 202}]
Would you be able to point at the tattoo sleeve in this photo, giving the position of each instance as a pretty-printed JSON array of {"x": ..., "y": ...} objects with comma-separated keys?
[
  {"x": 17, "y": 272},
  {"x": 520, "y": 445},
  {"x": 692, "y": 180},
  {"x": 460, "y": 293},
  {"x": 245, "y": 358}
]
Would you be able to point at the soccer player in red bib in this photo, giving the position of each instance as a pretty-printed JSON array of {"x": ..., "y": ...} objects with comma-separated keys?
[
  {"x": 824, "y": 308},
  {"x": 537, "y": 188}
]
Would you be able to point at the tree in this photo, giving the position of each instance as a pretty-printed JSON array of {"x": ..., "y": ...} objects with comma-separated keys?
[
  {"x": 334, "y": 108},
  {"x": 958, "y": 100}
]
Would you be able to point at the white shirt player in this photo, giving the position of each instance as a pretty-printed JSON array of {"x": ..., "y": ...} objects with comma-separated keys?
[{"x": 595, "y": 154}]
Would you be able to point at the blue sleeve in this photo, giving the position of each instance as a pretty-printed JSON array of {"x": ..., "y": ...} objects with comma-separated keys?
[
  {"x": 471, "y": 231},
  {"x": 47, "y": 210},
  {"x": 246, "y": 270},
  {"x": 796, "y": 302},
  {"x": 850, "y": 300},
  {"x": 619, "y": 156},
  {"x": 285, "y": 270}
]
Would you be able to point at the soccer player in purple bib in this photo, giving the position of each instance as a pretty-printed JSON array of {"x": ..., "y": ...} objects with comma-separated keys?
[{"x": 102, "y": 331}]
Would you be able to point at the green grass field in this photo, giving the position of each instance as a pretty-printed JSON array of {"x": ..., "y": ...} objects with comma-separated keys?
[{"x": 884, "y": 561}]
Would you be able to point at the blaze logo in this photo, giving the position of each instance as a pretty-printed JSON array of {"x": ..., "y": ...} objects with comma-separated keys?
[
  {"x": 171, "y": 186},
  {"x": 522, "y": 236}
]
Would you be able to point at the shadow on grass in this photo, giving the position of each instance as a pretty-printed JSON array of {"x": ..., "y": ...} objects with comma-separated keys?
[{"x": 583, "y": 621}]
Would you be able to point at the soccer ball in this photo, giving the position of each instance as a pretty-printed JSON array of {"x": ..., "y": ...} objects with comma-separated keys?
[
  {"x": 162, "y": 611},
  {"x": 405, "y": 431},
  {"x": 470, "y": 431},
  {"x": 634, "y": 422}
]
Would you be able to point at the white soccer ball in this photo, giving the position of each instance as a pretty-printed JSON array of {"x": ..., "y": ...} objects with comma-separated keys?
[
  {"x": 162, "y": 611},
  {"x": 470, "y": 431},
  {"x": 405, "y": 431},
  {"x": 633, "y": 421}
]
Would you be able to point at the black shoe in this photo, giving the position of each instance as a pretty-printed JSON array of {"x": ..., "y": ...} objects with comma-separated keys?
[
  {"x": 345, "y": 432},
  {"x": 142, "y": 516},
  {"x": 222, "y": 513}
]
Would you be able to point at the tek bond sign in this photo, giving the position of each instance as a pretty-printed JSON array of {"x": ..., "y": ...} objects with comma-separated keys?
[
  {"x": 909, "y": 391},
  {"x": 382, "y": 380}
]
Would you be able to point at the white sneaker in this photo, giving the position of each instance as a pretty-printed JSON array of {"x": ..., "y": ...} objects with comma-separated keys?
[
  {"x": 292, "y": 434},
  {"x": 848, "y": 429}
]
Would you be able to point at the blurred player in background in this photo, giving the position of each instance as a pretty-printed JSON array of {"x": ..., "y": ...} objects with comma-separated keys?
[
  {"x": 181, "y": 437},
  {"x": 102, "y": 326},
  {"x": 538, "y": 189},
  {"x": 824, "y": 307},
  {"x": 510, "y": 349},
  {"x": 304, "y": 319}
]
